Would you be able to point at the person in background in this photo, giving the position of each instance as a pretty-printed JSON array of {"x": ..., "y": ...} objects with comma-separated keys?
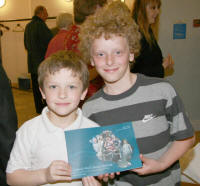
[
  {"x": 8, "y": 123},
  {"x": 110, "y": 39},
  {"x": 36, "y": 39},
  {"x": 63, "y": 21},
  {"x": 150, "y": 62},
  {"x": 82, "y": 11},
  {"x": 54, "y": 30},
  {"x": 39, "y": 154}
]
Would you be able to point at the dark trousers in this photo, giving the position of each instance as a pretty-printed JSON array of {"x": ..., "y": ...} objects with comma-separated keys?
[{"x": 39, "y": 102}]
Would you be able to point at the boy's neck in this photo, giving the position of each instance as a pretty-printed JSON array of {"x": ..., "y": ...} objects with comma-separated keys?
[
  {"x": 62, "y": 122},
  {"x": 120, "y": 86}
]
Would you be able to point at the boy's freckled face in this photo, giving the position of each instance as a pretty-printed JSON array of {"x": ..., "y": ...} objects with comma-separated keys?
[
  {"x": 111, "y": 58},
  {"x": 62, "y": 92}
]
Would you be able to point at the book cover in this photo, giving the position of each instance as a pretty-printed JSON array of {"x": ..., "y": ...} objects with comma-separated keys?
[{"x": 100, "y": 150}]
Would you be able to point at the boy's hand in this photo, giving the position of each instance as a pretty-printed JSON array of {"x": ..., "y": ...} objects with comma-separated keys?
[
  {"x": 90, "y": 181},
  {"x": 106, "y": 177},
  {"x": 58, "y": 171},
  {"x": 150, "y": 166}
]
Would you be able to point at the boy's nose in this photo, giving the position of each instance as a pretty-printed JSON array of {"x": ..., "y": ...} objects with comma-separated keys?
[
  {"x": 63, "y": 93},
  {"x": 109, "y": 60}
]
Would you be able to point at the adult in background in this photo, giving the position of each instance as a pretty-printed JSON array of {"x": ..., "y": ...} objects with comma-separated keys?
[
  {"x": 82, "y": 10},
  {"x": 8, "y": 123},
  {"x": 63, "y": 21},
  {"x": 36, "y": 39},
  {"x": 150, "y": 62}
]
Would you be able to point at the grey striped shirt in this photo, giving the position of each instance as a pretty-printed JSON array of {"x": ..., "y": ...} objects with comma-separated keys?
[{"x": 158, "y": 118}]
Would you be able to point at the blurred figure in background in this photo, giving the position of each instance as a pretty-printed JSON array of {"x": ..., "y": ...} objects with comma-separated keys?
[
  {"x": 63, "y": 21},
  {"x": 8, "y": 123},
  {"x": 36, "y": 39},
  {"x": 83, "y": 9},
  {"x": 150, "y": 62}
]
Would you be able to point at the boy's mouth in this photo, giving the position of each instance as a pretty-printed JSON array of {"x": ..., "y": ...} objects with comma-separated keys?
[
  {"x": 62, "y": 104},
  {"x": 111, "y": 70}
]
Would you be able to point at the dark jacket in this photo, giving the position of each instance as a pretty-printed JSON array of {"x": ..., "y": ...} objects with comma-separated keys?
[
  {"x": 8, "y": 123},
  {"x": 36, "y": 39},
  {"x": 150, "y": 60}
]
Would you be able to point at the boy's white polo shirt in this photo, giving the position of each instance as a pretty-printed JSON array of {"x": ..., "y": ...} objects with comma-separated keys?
[{"x": 39, "y": 142}]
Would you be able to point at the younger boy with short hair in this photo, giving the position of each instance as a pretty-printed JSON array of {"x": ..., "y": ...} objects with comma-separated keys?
[
  {"x": 110, "y": 39},
  {"x": 39, "y": 154}
]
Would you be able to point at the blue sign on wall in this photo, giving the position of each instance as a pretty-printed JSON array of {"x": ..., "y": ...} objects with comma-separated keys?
[{"x": 179, "y": 31}]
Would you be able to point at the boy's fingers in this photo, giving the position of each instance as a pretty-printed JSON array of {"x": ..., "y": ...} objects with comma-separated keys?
[{"x": 90, "y": 181}]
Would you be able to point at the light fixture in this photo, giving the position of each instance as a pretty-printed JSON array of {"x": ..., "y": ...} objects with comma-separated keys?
[{"x": 2, "y": 3}]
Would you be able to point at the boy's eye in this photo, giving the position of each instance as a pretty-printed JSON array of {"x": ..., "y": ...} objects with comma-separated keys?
[
  {"x": 52, "y": 86},
  {"x": 72, "y": 86},
  {"x": 100, "y": 54},
  {"x": 155, "y": 7},
  {"x": 118, "y": 52}
]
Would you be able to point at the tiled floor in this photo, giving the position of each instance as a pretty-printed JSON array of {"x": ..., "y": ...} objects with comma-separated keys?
[
  {"x": 26, "y": 110},
  {"x": 24, "y": 105}
]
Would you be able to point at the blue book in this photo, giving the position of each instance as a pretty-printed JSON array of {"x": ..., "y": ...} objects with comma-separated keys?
[{"x": 100, "y": 150}]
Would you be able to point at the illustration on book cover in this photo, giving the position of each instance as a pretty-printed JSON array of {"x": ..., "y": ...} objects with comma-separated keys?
[
  {"x": 100, "y": 150},
  {"x": 110, "y": 148}
]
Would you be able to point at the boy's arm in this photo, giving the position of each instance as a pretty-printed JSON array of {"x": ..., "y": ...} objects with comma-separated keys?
[
  {"x": 57, "y": 171},
  {"x": 174, "y": 153},
  {"x": 25, "y": 177}
]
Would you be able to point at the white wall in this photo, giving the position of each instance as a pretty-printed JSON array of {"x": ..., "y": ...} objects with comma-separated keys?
[
  {"x": 186, "y": 52},
  {"x": 14, "y": 56},
  {"x": 13, "y": 53}
]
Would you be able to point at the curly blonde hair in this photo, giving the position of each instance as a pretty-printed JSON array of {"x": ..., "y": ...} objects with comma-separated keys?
[{"x": 113, "y": 19}]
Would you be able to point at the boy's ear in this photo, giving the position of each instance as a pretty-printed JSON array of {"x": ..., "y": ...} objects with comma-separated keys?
[
  {"x": 92, "y": 61},
  {"x": 43, "y": 94},
  {"x": 131, "y": 57},
  {"x": 84, "y": 94}
]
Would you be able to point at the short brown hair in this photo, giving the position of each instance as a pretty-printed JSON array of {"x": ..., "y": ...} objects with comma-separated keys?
[
  {"x": 113, "y": 19},
  {"x": 60, "y": 60},
  {"x": 39, "y": 9},
  {"x": 84, "y": 8}
]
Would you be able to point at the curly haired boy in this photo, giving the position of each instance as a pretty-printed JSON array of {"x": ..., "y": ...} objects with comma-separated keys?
[{"x": 110, "y": 40}]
